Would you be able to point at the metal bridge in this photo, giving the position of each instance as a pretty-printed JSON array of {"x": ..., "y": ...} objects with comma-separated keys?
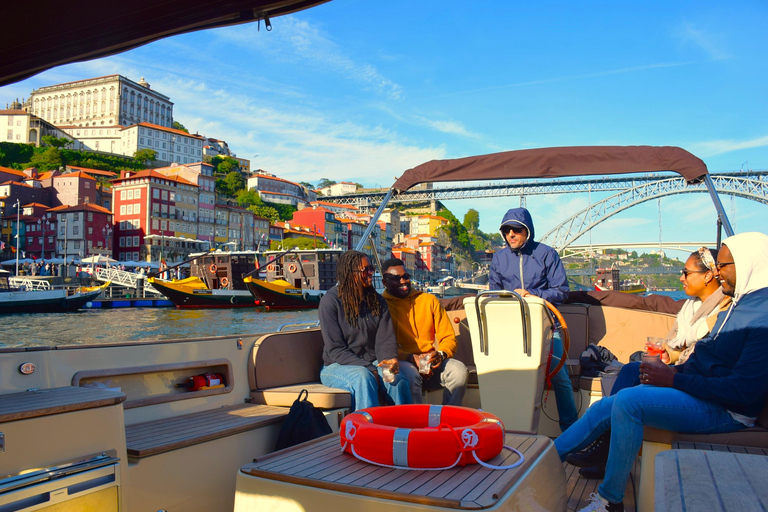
[{"x": 632, "y": 191}]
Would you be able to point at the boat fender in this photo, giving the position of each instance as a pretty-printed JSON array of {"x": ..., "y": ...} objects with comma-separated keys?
[
  {"x": 224, "y": 281},
  {"x": 306, "y": 296},
  {"x": 292, "y": 268},
  {"x": 212, "y": 269},
  {"x": 437, "y": 437}
]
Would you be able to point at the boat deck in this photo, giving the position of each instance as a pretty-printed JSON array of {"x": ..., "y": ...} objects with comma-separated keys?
[{"x": 579, "y": 488}]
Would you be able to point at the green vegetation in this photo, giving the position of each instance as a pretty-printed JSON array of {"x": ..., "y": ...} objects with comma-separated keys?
[
  {"x": 301, "y": 242},
  {"x": 464, "y": 239},
  {"x": 145, "y": 157},
  {"x": 178, "y": 126},
  {"x": 223, "y": 165},
  {"x": 23, "y": 156}
]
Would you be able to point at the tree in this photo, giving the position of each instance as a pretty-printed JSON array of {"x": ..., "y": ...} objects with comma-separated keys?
[
  {"x": 178, "y": 126},
  {"x": 301, "y": 242},
  {"x": 145, "y": 156},
  {"x": 325, "y": 182},
  {"x": 307, "y": 184},
  {"x": 248, "y": 197},
  {"x": 266, "y": 212},
  {"x": 56, "y": 142},
  {"x": 49, "y": 159},
  {"x": 472, "y": 220},
  {"x": 230, "y": 184}
]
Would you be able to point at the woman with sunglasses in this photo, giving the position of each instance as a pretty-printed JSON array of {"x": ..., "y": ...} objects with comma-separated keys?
[
  {"x": 693, "y": 322},
  {"x": 358, "y": 338}
]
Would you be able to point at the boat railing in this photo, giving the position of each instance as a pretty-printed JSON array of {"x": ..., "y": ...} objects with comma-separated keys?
[
  {"x": 298, "y": 326},
  {"x": 25, "y": 283}
]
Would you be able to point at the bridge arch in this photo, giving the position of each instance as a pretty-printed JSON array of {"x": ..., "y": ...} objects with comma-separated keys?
[{"x": 565, "y": 233}]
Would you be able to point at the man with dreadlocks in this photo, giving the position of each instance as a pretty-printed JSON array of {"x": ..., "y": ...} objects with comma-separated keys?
[{"x": 358, "y": 337}]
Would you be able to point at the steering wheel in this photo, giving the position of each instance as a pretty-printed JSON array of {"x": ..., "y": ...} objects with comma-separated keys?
[{"x": 556, "y": 315}]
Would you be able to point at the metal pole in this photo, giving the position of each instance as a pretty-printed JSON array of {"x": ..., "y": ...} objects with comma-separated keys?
[
  {"x": 718, "y": 205},
  {"x": 375, "y": 219},
  {"x": 18, "y": 215}
]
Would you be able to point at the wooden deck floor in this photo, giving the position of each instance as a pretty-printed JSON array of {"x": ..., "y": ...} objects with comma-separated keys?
[{"x": 579, "y": 488}]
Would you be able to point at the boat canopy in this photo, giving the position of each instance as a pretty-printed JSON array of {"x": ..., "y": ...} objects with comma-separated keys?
[
  {"x": 557, "y": 163},
  {"x": 64, "y": 34}
]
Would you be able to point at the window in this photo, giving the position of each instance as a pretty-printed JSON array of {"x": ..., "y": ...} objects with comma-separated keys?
[
  {"x": 129, "y": 210},
  {"x": 75, "y": 230},
  {"x": 156, "y": 193},
  {"x": 90, "y": 231},
  {"x": 90, "y": 216},
  {"x": 122, "y": 209},
  {"x": 130, "y": 194},
  {"x": 122, "y": 241},
  {"x": 165, "y": 195},
  {"x": 10, "y": 134},
  {"x": 137, "y": 208},
  {"x": 135, "y": 256},
  {"x": 137, "y": 194},
  {"x": 136, "y": 241}
]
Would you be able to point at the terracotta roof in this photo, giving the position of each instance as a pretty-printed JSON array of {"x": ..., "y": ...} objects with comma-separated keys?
[
  {"x": 13, "y": 171},
  {"x": 151, "y": 173},
  {"x": 82, "y": 207},
  {"x": 35, "y": 205},
  {"x": 18, "y": 183},
  {"x": 349, "y": 206},
  {"x": 94, "y": 171},
  {"x": 277, "y": 179},
  {"x": 13, "y": 112},
  {"x": 165, "y": 129},
  {"x": 76, "y": 174}
]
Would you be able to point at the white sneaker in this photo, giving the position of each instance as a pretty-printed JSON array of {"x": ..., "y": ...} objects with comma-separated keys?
[{"x": 599, "y": 504}]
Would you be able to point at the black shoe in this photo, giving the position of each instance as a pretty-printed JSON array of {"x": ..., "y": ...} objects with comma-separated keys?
[
  {"x": 593, "y": 473},
  {"x": 595, "y": 454}
]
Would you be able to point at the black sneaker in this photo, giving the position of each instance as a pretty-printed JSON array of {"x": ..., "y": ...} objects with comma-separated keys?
[
  {"x": 600, "y": 504},
  {"x": 593, "y": 473},
  {"x": 595, "y": 454}
]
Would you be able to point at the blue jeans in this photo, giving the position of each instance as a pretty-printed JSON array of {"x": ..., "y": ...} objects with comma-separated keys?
[
  {"x": 629, "y": 376},
  {"x": 626, "y": 413},
  {"x": 561, "y": 384},
  {"x": 364, "y": 385},
  {"x": 451, "y": 375}
]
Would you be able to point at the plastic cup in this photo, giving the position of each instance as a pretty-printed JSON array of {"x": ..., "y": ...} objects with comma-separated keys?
[
  {"x": 654, "y": 345},
  {"x": 425, "y": 364},
  {"x": 388, "y": 375},
  {"x": 651, "y": 358}
]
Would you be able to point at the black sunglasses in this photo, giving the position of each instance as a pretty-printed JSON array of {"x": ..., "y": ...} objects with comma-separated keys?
[
  {"x": 395, "y": 277},
  {"x": 685, "y": 272},
  {"x": 724, "y": 264},
  {"x": 515, "y": 229}
]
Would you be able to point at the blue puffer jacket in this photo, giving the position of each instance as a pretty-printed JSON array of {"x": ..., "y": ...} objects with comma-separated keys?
[{"x": 535, "y": 267}]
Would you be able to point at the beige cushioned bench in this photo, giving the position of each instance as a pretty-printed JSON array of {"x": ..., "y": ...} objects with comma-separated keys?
[{"x": 276, "y": 375}]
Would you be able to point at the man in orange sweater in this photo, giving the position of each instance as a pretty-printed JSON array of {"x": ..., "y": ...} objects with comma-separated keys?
[{"x": 423, "y": 330}]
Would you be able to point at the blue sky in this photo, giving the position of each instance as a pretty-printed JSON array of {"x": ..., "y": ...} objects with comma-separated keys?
[{"x": 360, "y": 90}]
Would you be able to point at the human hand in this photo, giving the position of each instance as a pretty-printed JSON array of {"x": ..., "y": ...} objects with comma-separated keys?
[
  {"x": 393, "y": 364},
  {"x": 659, "y": 375},
  {"x": 665, "y": 357},
  {"x": 523, "y": 292}
]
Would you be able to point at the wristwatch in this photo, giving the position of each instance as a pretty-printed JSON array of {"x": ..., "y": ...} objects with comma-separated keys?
[{"x": 443, "y": 355}]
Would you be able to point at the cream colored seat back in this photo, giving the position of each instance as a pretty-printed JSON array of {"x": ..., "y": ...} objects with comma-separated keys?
[{"x": 511, "y": 338}]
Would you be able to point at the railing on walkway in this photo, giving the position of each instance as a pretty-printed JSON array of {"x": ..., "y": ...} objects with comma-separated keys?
[
  {"x": 26, "y": 283},
  {"x": 127, "y": 279}
]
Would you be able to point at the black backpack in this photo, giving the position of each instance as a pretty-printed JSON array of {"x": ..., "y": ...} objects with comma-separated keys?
[{"x": 303, "y": 423}]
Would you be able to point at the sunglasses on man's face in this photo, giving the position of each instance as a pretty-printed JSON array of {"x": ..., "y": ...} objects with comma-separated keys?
[
  {"x": 397, "y": 278},
  {"x": 515, "y": 229}
]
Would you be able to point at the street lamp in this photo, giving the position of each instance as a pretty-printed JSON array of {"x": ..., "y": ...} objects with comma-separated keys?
[{"x": 18, "y": 219}]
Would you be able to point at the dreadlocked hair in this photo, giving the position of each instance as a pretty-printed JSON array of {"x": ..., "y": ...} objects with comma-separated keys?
[{"x": 352, "y": 293}]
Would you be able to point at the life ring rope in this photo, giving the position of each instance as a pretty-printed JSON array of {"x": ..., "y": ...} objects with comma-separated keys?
[
  {"x": 466, "y": 440},
  {"x": 521, "y": 457}
]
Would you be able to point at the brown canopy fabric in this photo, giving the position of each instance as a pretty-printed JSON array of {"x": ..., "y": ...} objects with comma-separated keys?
[
  {"x": 556, "y": 163},
  {"x": 45, "y": 34}
]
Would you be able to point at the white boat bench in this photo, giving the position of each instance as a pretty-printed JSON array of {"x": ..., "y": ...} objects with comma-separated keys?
[{"x": 160, "y": 436}]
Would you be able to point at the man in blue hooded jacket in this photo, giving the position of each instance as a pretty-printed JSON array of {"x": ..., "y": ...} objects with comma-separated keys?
[{"x": 532, "y": 268}]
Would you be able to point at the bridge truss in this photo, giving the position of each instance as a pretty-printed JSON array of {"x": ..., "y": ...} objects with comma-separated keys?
[{"x": 568, "y": 231}]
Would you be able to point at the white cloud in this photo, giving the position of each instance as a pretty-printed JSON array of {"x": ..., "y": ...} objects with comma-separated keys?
[
  {"x": 706, "y": 41},
  {"x": 718, "y": 147},
  {"x": 294, "y": 39}
]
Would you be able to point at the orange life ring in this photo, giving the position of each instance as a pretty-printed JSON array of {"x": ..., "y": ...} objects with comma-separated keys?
[
  {"x": 224, "y": 281},
  {"x": 212, "y": 269},
  {"x": 271, "y": 267},
  {"x": 292, "y": 268},
  {"x": 422, "y": 436}
]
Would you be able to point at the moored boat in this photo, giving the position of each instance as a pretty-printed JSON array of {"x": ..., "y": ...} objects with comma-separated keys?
[
  {"x": 216, "y": 281},
  {"x": 296, "y": 280},
  {"x": 41, "y": 297},
  {"x": 607, "y": 279}
]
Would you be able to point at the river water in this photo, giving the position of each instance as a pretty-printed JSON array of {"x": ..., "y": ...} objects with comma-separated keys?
[
  {"x": 140, "y": 324},
  {"x": 148, "y": 324}
]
